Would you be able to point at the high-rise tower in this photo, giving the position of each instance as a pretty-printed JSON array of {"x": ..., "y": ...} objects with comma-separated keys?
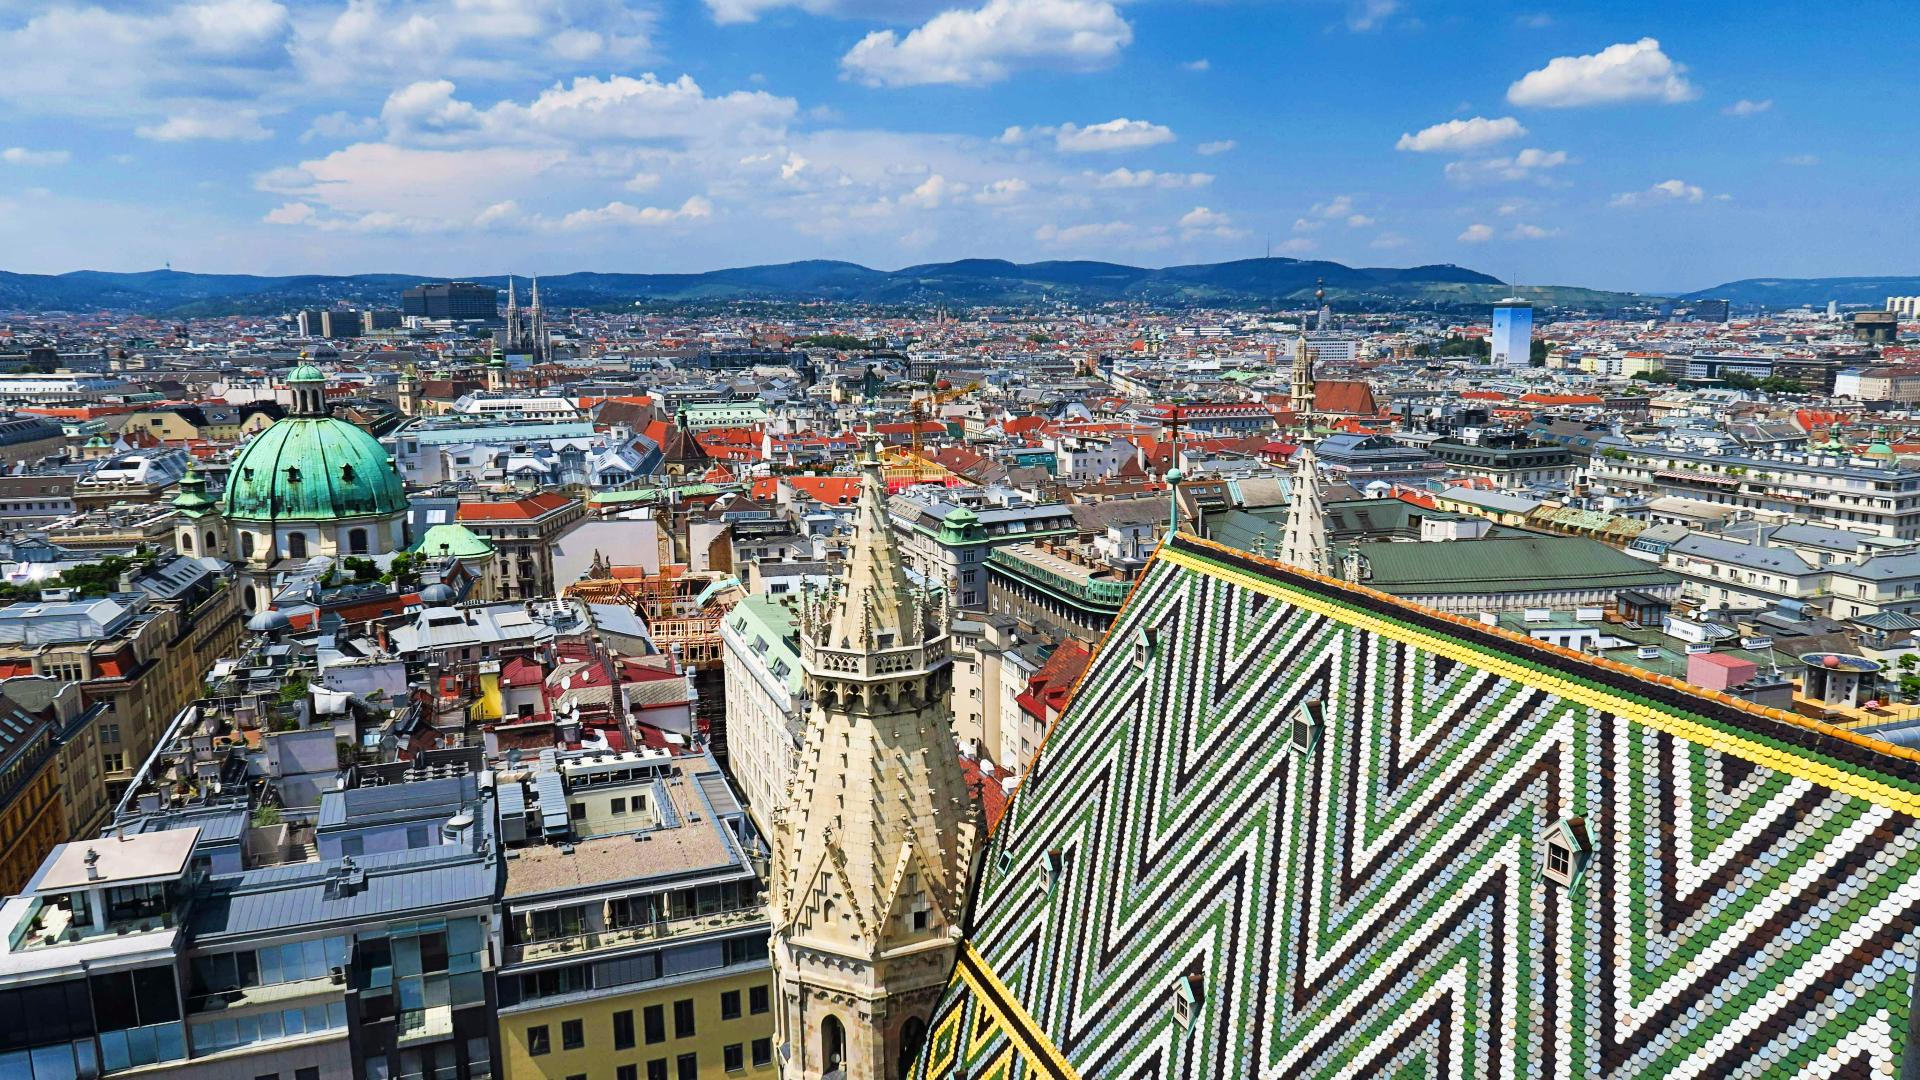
[{"x": 873, "y": 853}]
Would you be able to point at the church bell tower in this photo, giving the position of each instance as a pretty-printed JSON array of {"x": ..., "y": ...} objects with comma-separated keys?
[{"x": 874, "y": 851}]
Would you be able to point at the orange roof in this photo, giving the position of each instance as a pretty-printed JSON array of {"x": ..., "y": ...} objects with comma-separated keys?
[
  {"x": 522, "y": 509},
  {"x": 832, "y": 490},
  {"x": 1563, "y": 399}
]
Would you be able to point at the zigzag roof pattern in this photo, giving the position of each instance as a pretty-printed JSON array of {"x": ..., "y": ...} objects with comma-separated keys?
[{"x": 1376, "y": 905}]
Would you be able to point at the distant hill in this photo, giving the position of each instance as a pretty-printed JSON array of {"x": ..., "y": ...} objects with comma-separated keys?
[
  {"x": 1813, "y": 292},
  {"x": 966, "y": 282}
]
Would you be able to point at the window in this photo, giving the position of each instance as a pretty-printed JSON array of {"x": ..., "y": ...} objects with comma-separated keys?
[
  {"x": 110, "y": 733},
  {"x": 297, "y": 545},
  {"x": 762, "y": 1053},
  {"x": 308, "y": 1073},
  {"x": 618, "y": 806},
  {"x": 537, "y": 1043},
  {"x": 418, "y": 836},
  {"x": 689, "y": 1066},
  {"x": 623, "y": 1030},
  {"x": 573, "y": 1034},
  {"x": 730, "y": 1005},
  {"x": 733, "y": 1056},
  {"x": 1559, "y": 859},
  {"x": 656, "y": 1023},
  {"x": 657, "y": 1069},
  {"x": 357, "y": 540},
  {"x": 757, "y": 1000},
  {"x": 1306, "y": 725},
  {"x": 683, "y": 1018},
  {"x": 627, "y": 1072},
  {"x": 579, "y": 811},
  {"x": 354, "y": 846}
]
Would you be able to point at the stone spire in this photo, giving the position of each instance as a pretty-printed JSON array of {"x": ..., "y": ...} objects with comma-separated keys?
[
  {"x": 513, "y": 317},
  {"x": 538, "y": 346},
  {"x": 874, "y": 850},
  {"x": 1300, "y": 394},
  {"x": 1303, "y": 543}
]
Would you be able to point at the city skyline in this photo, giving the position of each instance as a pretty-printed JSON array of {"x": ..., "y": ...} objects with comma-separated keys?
[{"x": 1629, "y": 147}]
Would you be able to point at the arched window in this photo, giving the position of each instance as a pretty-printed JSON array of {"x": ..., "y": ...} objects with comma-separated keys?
[
  {"x": 912, "y": 1034},
  {"x": 296, "y": 545},
  {"x": 833, "y": 1045},
  {"x": 357, "y": 541},
  {"x": 212, "y": 543},
  {"x": 186, "y": 543},
  {"x": 246, "y": 545}
]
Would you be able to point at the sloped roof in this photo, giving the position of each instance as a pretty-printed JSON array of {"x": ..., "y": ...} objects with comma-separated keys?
[{"x": 1344, "y": 900}]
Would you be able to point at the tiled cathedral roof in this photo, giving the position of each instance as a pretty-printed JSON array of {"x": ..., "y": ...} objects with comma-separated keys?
[{"x": 1374, "y": 901}]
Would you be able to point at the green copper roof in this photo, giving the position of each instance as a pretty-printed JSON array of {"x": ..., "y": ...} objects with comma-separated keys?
[
  {"x": 312, "y": 468},
  {"x": 306, "y": 373},
  {"x": 455, "y": 541},
  {"x": 192, "y": 499}
]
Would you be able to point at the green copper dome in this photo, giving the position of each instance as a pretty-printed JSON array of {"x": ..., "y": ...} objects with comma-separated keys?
[
  {"x": 306, "y": 373},
  {"x": 453, "y": 540},
  {"x": 312, "y": 468}
]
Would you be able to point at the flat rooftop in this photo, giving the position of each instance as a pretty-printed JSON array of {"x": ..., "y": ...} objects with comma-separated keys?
[
  {"x": 699, "y": 842},
  {"x": 119, "y": 860}
]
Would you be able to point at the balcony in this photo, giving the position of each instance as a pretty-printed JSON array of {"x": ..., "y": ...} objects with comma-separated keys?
[{"x": 555, "y": 948}]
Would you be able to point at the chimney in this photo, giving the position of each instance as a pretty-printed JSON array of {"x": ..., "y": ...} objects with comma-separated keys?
[{"x": 93, "y": 865}]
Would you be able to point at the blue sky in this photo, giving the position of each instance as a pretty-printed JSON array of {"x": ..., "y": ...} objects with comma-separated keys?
[{"x": 1622, "y": 145}]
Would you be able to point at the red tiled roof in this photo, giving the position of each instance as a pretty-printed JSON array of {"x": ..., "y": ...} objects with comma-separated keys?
[
  {"x": 522, "y": 509},
  {"x": 993, "y": 797}
]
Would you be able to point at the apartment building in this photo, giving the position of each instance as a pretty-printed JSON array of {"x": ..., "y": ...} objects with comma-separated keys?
[
  {"x": 522, "y": 532},
  {"x": 193, "y": 940},
  {"x": 1878, "y": 498},
  {"x": 760, "y": 662},
  {"x": 633, "y": 929}
]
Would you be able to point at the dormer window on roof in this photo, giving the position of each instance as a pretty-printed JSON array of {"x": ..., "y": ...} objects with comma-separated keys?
[{"x": 1566, "y": 851}]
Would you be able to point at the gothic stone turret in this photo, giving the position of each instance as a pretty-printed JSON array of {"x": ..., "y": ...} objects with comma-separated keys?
[{"x": 874, "y": 851}]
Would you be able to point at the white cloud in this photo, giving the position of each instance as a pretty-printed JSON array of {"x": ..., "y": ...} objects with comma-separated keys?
[
  {"x": 929, "y": 193},
  {"x": 1630, "y": 71},
  {"x": 989, "y": 43},
  {"x": 1477, "y": 234},
  {"x": 1338, "y": 206},
  {"x": 1388, "y": 241},
  {"x": 1001, "y": 192},
  {"x": 1081, "y": 234},
  {"x": 20, "y": 155},
  {"x": 1745, "y": 108},
  {"x": 1364, "y": 15},
  {"x": 1217, "y": 146},
  {"x": 1201, "y": 64},
  {"x": 217, "y": 125},
  {"x": 1298, "y": 245},
  {"x": 504, "y": 211},
  {"x": 341, "y": 125},
  {"x": 292, "y": 213},
  {"x": 617, "y": 107},
  {"x": 1524, "y": 231},
  {"x": 1666, "y": 191},
  {"x": 1358, "y": 221},
  {"x": 1531, "y": 163},
  {"x": 1454, "y": 136},
  {"x": 619, "y": 214},
  {"x": 1538, "y": 20},
  {"x": 1117, "y": 134},
  {"x": 1800, "y": 159},
  {"x": 1306, "y": 224},
  {"x": 1147, "y": 178},
  {"x": 1202, "y": 218}
]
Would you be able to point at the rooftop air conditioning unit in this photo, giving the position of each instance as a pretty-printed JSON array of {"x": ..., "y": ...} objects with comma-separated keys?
[{"x": 1648, "y": 652}]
